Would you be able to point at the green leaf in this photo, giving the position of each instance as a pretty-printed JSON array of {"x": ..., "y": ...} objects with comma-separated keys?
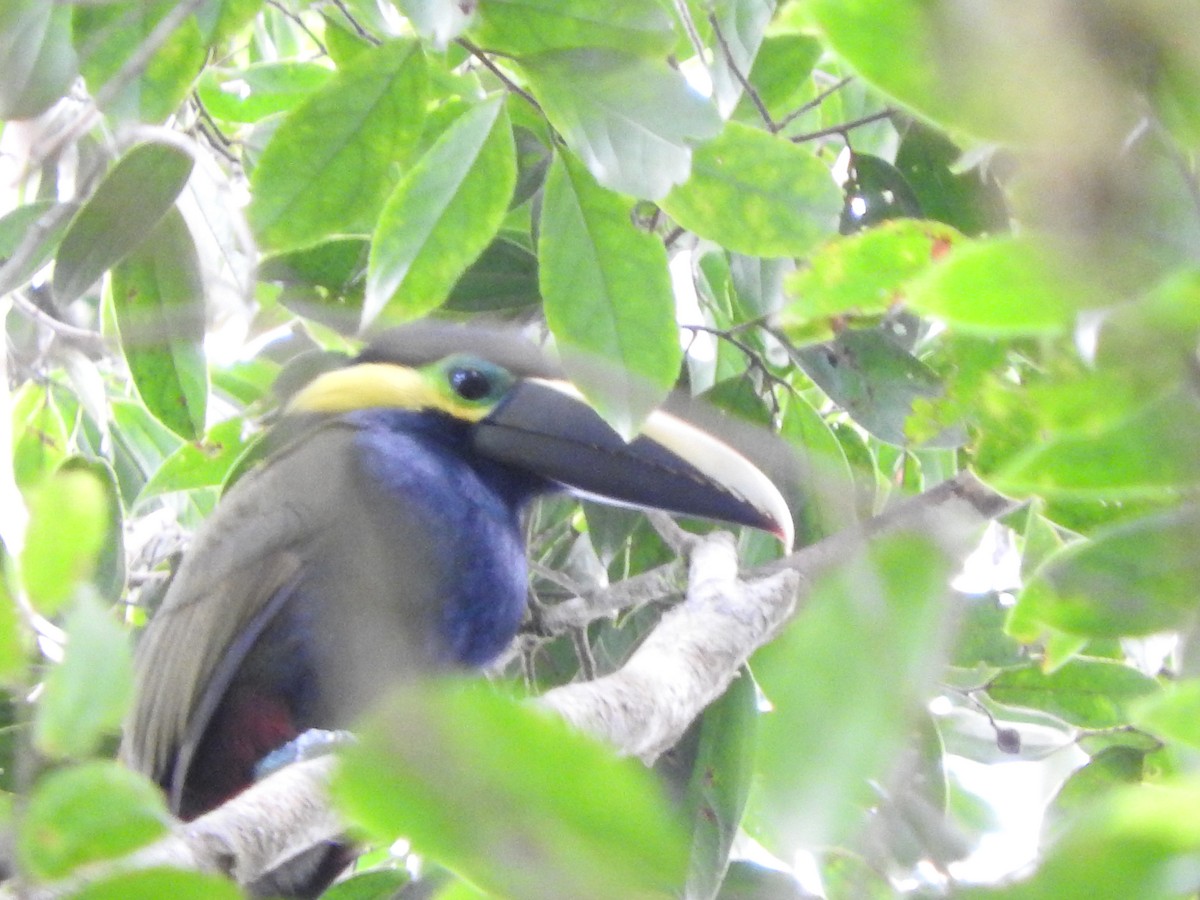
[
  {"x": 1109, "y": 768},
  {"x": 140, "y": 443},
  {"x": 325, "y": 170},
  {"x": 1173, "y": 715},
  {"x": 969, "y": 201},
  {"x": 825, "y": 501},
  {"x": 875, "y": 192},
  {"x": 39, "y": 61},
  {"x": 875, "y": 380},
  {"x": 918, "y": 52},
  {"x": 114, "y": 33},
  {"x": 259, "y": 90},
  {"x": 40, "y": 434},
  {"x": 68, "y": 519},
  {"x": 757, "y": 193},
  {"x": 781, "y": 69},
  {"x": 742, "y": 24},
  {"x": 109, "y": 574},
  {"x": 504, "y": 277},
  {"x": 848, "y": 876},
  {"x": 632, "y": 120},
  {"x": 126, "y": 207},
  {"x": 380, "y": 884},
  {"x": 525, "y": 28},
  {"x": 864, "y": 274},
  {"x": 1152, "y": 341},
  {"x": 1005, "y": 287},
  {"x": 158, "y": 295},
  {"x": 442, "y": 215},
  {"x": 874, "y": 630},
  {"x": 1097, "y": 437},
  {"x": 982, "y": 640},
  {"x": 1136, "y": 840},
  {"x": 720, "y": 783},
  {"x": 469, "y": 775},
  {"x": 608, "y": 298},
  {"x": 154, "y": 884},
  {"x": 750, "y": 881},
  {"x": 1090, "y": 693},
  {"x": 29, "y": 236},
  {"x": 1132, "y": 579},
  {"x": 204, "y": 463},
  {"x": 85, "y": 813},
  {"x": 15, "y": 225},
  {"x": 87, "y": 694}
]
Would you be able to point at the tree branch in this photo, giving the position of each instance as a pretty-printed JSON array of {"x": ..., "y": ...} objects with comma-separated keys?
[
  {"x": 642, "y": 709},
  {"x": 687, "y": 661}
]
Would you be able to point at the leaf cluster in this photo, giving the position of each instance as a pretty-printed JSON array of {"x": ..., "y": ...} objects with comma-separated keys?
[{"x": 910, "y": 238}]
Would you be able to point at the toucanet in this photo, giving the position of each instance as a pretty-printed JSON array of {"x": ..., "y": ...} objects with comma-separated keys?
[{"x": 381, "y": 540}]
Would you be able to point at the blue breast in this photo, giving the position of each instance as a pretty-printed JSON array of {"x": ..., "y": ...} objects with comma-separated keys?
[{"x": 471, "y": 509}]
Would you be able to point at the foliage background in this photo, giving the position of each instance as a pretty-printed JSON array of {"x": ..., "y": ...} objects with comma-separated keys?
[{"x": 911, "y": 236}]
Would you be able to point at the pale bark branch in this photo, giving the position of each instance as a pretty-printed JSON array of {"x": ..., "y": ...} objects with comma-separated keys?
[
  {"x": 641, "y": 709},
  {"x": 687, "y": 661}
]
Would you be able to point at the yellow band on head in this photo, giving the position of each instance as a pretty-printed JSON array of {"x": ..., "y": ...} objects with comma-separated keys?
[{"x": 382, "y": 385}]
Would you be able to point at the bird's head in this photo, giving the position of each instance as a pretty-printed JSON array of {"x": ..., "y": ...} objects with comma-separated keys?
[{"x": 519, "y": 412}]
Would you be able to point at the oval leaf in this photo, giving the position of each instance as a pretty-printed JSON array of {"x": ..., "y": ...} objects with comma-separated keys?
[
  {"x": 864, "y": 274},
  {"x": 94, "y": 811},
  {"x": 87, "y": 694},
  {"x": 127, "y": 205},
  {"x": 325, "y": 169},
  {"x": 468, "y": 775},
  {"x": 114, "y": 33},
  {"x": 39, "y": 61},
  {"x": 528, "y": 27},
  {"x": 757, "y": 193},
  {"x": 205, "y": 463},
  {"x": 1133, "y": 579},
  {"x": 68, "y": 519},
  {"x": 442, "y": 215},
  {"x": 632, "y": 120},
  {"x": 873, "y": 628},
  {"x": 259, "y": 90},
  {"x": 1004, "y": 287},
  {"x": 158, "y": 294},
  {"x": 1090, "y": 693},
  {"x": 607, "y": 297}
]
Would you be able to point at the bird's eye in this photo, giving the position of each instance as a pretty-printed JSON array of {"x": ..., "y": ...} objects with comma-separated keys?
[{"x": 470, "y": 384}]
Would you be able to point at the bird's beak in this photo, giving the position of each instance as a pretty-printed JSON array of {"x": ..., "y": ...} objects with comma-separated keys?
[{"x": 546, "y": 427}]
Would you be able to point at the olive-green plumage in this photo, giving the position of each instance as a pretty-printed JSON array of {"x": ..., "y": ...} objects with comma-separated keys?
[{"x": 381, "y": 540}]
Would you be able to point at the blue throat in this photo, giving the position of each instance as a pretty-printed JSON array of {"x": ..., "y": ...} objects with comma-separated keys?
[{"x": 473, "y": 508}]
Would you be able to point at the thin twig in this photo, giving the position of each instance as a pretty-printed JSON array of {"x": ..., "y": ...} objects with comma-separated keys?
[
  {"x": 740, "y": 76},
  {"x": 842, "y": 128},
  {"x": 296, "y": 20},
  {"x": 583, "y": 652},
  {"x": 815, "y": 101},
  {"x": 693, "y": 33},
  {"x": 555, "y": 577},
  {"x": 752, "y": 356},
  {"x": 89, "y": 341},
  {"x": 355, "y": 24},
  {"x": 498, "y": 72}
]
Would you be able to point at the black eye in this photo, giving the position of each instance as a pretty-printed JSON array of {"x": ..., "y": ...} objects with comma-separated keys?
[{"x": 470, "y": 384}]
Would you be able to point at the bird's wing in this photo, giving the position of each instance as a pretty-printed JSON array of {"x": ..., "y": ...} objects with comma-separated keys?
[{"x": 246, "y": 557}]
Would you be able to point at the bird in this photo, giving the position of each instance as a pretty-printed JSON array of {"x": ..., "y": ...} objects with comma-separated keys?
[{"x": 380, "y": 541}]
